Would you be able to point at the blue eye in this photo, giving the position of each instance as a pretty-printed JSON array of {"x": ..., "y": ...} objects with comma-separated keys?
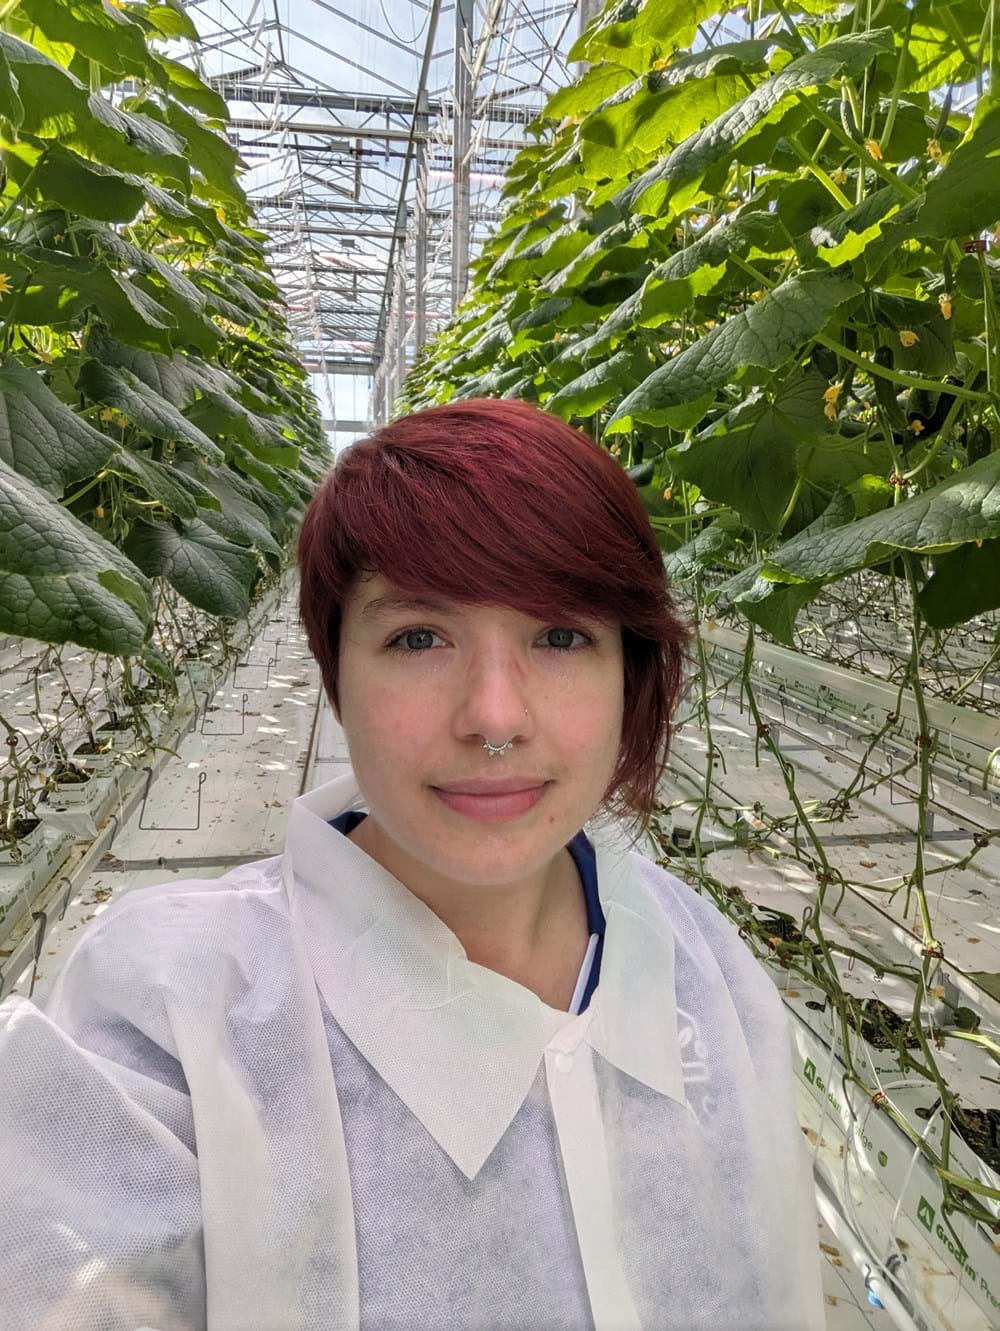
[{"x": 396, "y": 645}]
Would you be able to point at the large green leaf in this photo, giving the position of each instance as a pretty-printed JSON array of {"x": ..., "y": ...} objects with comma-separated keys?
[
  {"x": 208, "y": 152},
  {"x": 178, "y": 378},
  {"x": 219, "y": 414},
  {"x": 95, "y": 28},
  {"x": 961, "y": 198},
  {"x": 59, "y": 581},
  {"x": 239, "y": 519},
  {"x": 11, "y": 107},
  {"x": 89, "y": 188},
  {"x": 748, "y": 460},
  {"x": 700, "y": 553},
  {"x": 158, "y": 481},
  {"x": 660, "y": 109},
  {"x": 590, "y": 391},
  {"x": 143, "y": 406},
  {"x": 963, "y": 508},
  {"x": 188, "y": 87},
  {"x": 636, "y": 35},
  {"x": 714, "y": 145},
  {"x": 62, "y": 288},
  {"x": 767, "y": 334},
  {"x": 207, "y": 570},
  {"x": 965, "y": 583},
  {"x": 58, "y": 107},
  {"x": 40, "y": 437}
]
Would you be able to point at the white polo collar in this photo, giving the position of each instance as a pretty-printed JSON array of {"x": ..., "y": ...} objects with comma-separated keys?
[{"x": 458, "y": 1043}]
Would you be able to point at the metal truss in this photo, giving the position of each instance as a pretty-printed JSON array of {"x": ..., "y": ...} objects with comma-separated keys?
[{"x": 376, "y": 135}]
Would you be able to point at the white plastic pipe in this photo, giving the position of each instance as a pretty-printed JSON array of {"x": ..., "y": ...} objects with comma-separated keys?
[{"x": 848, "y": 1240}]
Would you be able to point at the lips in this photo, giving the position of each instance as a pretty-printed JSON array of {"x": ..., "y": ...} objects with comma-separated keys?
[
  {"x": 507, "y": 786},
  {"x": 494, "y": 808}
]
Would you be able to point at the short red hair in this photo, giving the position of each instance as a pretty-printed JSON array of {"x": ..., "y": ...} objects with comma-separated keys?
[{"x": 497, "y": 502}]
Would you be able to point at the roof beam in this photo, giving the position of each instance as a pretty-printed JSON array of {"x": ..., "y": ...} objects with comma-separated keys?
[{"x": 334, "y": 131}]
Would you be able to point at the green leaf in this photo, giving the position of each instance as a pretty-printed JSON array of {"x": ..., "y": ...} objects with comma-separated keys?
[
  {"x": 99, "y": 31},
  {"x": 170, "y": 20},
  {"x": 11, "y": 107},
  {"x": 217, "y": 413},
  {"x": 748, "y": 458},
  {"x": 715, "y": 145},
  {"x": 143, "y": 406},
  {"x": 179, "y": 378},
  {"x": 752, "y": 592},
  {"x": 597, "y": 83},
  {"x": 52, "y": 98},
  {"x": 702, "y": 552},
  {"x": 189, "y": 88},
  {"x": 964, "y": 507},
  {"x": 208, "y": 571},
  {"x": 961, "y": 198},
  {"x": 767, "y": 334},
  {"x": 59, "y": 581},
  {"x": 964, "y": 583},
  {"x": 776, "y": 614},
  {"x": 593, "y": 389},
  {"x": 635, "y": 35},
  {"x": 208, "y": 151},
  {"x": 662, "y": 107},
  {"x": 240, "y": 519},
  {"x": 158, "y": 481},
  {"x": 40, "y": 437},
  {"x": 89, "y": 188},
  {"x": 62, "y": 288}
]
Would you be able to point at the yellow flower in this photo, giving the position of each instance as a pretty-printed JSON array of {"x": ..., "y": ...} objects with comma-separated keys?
[
  {"x": 908, "y": 337},
  {"x": 944, "y": 300},
  {"x": 756, "y": 295},
  {"x": 5, "y": 284},
  {"x": 873, "y": 147},
  {"x": 616, "y": 450},
  {"x": 917, "y": 425},
  {"x": 839, "y": 176},
  {"x": 831, "y": 398},
  {"x": 709, "y": 323},
  {"x": 668, "y": 493},
  {"x": 934, "y": 150}
]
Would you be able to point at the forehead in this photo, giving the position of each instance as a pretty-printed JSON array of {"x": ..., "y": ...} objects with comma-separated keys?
[{"x": 377, "y": 599}]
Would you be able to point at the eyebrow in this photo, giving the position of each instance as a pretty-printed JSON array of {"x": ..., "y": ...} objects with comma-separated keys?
[{"x": 381, "y": 606}]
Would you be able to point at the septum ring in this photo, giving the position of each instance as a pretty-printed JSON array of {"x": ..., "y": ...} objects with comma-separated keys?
[{"x": 495, "y": 751}]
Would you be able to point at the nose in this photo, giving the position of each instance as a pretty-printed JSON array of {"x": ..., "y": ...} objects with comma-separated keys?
[{"x": 494, "y": 706}]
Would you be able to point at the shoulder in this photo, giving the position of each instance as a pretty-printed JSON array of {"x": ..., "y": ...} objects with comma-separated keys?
[
  {"x": 186, "y": 941},
  {"x": 710, "y": 953}
]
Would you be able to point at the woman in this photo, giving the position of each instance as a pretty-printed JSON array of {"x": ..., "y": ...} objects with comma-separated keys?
[{"x": 455, "y": 1059}]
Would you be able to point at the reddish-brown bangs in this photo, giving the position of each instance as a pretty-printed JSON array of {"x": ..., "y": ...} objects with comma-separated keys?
[{"x": 496, "y": 502}]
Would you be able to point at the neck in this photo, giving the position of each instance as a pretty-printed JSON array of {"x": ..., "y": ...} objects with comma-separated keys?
[{"x": 531, "y": 932}]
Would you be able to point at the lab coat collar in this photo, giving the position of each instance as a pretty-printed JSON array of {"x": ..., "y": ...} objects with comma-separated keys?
[{"x": 458, "y": 1043}]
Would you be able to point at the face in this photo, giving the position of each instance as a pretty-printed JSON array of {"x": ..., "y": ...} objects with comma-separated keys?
[{"x": 420, "y": 690}]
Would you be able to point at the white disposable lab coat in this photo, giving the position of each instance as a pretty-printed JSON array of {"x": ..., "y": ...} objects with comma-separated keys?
[{"x": 284, "y": 1100}]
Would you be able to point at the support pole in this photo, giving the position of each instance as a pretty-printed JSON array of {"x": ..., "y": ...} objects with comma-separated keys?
[
  {"x": 461, "y": 140},
  {"x": 420, "y": 248},
  {"x": 401, "y": 285}
]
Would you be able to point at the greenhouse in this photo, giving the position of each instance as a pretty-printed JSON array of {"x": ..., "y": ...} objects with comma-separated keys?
[{"x": 674, "y": 326}]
